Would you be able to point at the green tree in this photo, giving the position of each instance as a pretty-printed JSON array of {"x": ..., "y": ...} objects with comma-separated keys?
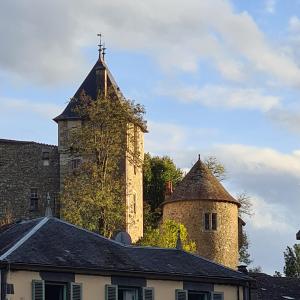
[
  {"x": 91, "y": 195},
  {"x": 166, "y": 236},
  {"x": 292, "y": 261},
  {"x": 244, "y": 252},
  {"x": 157, "y": 172},
  {"x": 216, "y": 167}
]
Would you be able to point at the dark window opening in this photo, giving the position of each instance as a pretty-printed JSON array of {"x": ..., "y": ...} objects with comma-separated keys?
[
  {"x": 129, "y": 293},
  {"x": 55, "y": 291},
  {"x": 214, "y": 221},
  {"x": 210, "y": 221},
  {"x": 198, "y": 296},
  {"x": 34, "y": 201},
  {"x": 46, "y": 158},
  {"x": 206, "y": 221},
  {"x": 75, "y": 163}
]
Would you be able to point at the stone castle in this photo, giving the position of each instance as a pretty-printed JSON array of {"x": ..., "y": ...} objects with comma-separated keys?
[{"x": 32, "y": 173}]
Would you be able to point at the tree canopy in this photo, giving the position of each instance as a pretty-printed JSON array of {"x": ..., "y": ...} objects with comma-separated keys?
[
  {"x": 292, "y": 261},
  {"x": 93, "y": 194},
  {"x": 166, "y": 236},
  {"x": 157, "y": 172}
]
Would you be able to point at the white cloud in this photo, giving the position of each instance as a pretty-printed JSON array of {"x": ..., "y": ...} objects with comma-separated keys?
[
  {"x": 289, "y": 119},
  {"x": 270, "y": 6},
  {"x": 294, "y": 24},
  {"x": 224, "y": 96},
  {"x": 37, "y": 45},
  {"x": 43, "y": 109}
]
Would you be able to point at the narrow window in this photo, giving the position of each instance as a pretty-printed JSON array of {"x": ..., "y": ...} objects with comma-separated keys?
[
  {"x": 214, "y": 223},
  {"x": 206, "y": 221},
  {"x": 46, "y": 158},
  {"x": 34, "y": 199},
  {"x": 135, "y": 141},
  {"x": 134, "y": 203},
  {"x": 75, "y": 163}
]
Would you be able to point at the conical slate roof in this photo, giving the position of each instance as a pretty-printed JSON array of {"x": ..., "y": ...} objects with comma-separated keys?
[
  {"x": 200, "y": 184},
  {"x": 89, "y": 87}
]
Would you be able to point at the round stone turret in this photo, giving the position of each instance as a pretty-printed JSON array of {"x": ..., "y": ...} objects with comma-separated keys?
[{"x": 209, "y": 212}]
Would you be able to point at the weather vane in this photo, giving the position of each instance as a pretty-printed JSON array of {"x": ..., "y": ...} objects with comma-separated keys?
[{"x": 101, "y": 46}]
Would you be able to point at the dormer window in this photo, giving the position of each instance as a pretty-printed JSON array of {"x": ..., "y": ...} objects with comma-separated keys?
[
  {"x": 46, "y": 158},
  {"x": 210, "y": 221}
]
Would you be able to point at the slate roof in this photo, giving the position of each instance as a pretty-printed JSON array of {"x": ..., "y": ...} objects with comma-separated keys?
[
  {"x": 7, "y": 141},
  {"x": 89, "y": 86},
  {"x": 200, "y": 184},
  {"x": 276, "y": 288},
  {"x": 50, "y": 242}
]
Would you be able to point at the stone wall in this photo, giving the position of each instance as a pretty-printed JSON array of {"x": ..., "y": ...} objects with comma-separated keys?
[
  {"x": 134, "y": 184},
  {"x": 23, "y": 166},
  {"x": 219, "y": 245}
]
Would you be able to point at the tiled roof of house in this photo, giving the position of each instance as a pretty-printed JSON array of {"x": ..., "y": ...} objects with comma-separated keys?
[
  {"x": 200, "y": 184},
  {"x": 50, "y": 242},
  {"x": 89, "y": 87},
  {"x": 276, "y": 288}
]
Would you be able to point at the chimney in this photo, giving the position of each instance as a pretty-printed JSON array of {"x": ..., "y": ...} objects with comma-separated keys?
[
  {"x": 168, "y": 190},
  {"x": 243, "y": 269},
  {"x": 101, "y": 80}
]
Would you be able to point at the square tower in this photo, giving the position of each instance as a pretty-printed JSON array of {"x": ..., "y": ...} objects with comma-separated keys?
[{"x": 99, "y": 80}]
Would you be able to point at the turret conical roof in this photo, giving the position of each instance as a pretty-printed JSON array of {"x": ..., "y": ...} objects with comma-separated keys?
[{"x": 200, "y": 184}]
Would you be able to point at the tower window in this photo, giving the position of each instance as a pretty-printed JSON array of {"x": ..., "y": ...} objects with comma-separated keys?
[
  {"x": 210, "y": 221},
  {"x": 46, "y": 158},
  {"x": 75, "y": 163},
  {"x": 34, "y": 199},
  {"x": 207, "y": 221},
  {"x": 134, "y": 203}
]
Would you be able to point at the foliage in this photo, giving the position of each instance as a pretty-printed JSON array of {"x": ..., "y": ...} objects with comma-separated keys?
[
  {"x": 246, "y": 205},
  {"x": 257, "y": 269},
  {"x": 217, "y": 168},
  {"x": 92, "y": 195},
  {"x": 244, "y": 255},
  {"x": 157, "y": 172},
  {"x": 166, "y": 236},
  {"x": 277, "y": 274},
  {"x": 292, "y": 261}
]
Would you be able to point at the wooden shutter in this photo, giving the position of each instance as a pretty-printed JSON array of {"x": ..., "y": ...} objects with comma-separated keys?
[
  {"x": 148, "y": 294},
  {"x": 38, "y": 290},
  {"x": 217, "y": 296},
  {"x": 76, "y": 291},
  {"x": 180, "y": 295},
  {"x": 111, "y": 292}
]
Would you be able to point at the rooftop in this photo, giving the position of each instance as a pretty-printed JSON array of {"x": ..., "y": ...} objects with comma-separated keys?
[
  {"x": 200, "y": 184},
  {"x": 50, "y": 243}
]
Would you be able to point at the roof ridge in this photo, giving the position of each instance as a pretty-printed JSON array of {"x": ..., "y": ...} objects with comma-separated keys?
[
  {"x": 28, "y": 235},
  {"x": 25, "y": 142}
]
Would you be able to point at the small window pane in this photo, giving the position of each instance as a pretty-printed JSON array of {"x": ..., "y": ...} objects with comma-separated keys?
[
  {"x": 214, "y": 221},
  {"x": 33, "y": 193},
  {"x": 75, "y": 163},
  {"x": 206, "y": 221}
]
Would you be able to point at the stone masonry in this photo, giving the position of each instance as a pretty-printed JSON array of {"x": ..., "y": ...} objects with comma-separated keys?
[{"x": 28, "y": 172}]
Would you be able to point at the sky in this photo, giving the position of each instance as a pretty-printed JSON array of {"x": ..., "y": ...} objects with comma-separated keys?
[{"x": 217, "y": 78}]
